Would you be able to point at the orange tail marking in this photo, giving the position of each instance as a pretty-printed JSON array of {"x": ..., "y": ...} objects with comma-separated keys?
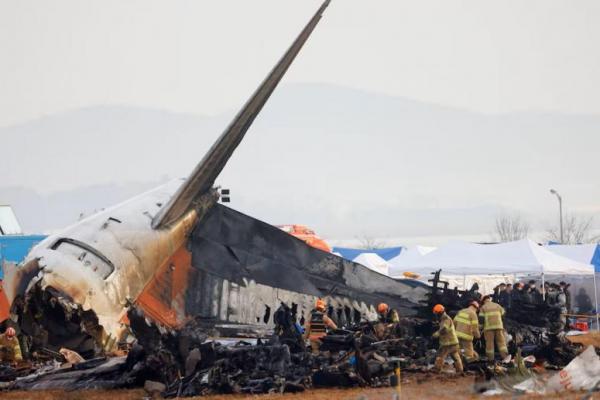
[
  {"x": 163, "y": 297},
  {"x": 4, "y": 306}
]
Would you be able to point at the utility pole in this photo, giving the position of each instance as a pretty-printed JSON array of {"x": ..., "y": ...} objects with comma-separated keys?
[{"x": 554, "y": 192}]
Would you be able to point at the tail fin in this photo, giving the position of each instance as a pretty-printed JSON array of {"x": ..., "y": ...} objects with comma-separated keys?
[{"x": 202, "y": 178}]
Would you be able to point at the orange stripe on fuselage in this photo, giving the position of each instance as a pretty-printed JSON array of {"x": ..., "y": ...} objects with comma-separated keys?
[
  {"x": 164, "y": 295},
  {"x": 4, "y": 306}
]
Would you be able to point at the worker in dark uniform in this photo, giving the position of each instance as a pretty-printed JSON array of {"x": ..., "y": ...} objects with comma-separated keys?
[
  {"x": 318, "y": 325},
  {"x": 505, "y": 298},
  {"x": 518, "y": 295}
]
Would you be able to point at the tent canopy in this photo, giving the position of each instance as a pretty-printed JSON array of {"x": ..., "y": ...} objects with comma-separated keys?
[
  {"x": 583, "y": 253},
  {"x": 8, "y": 221},
  {"x": 374, "y": 262},
  {"x": 520, "y": 257},
  {"x": 407, "y": 259}
]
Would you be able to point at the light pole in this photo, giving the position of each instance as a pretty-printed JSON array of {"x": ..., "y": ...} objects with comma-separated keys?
[{"x": 554, "y": 192}]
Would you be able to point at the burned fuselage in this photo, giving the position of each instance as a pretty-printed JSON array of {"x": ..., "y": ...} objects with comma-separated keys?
[
  {"x": 101, "y": 263},
  {"x": 227, "y": 269}
]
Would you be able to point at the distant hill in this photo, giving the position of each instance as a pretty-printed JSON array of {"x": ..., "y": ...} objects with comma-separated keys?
[{"x": 345, "y": 161}]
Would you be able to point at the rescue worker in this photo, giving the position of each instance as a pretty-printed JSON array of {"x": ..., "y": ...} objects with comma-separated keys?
[
  {"x": 448, "y": 340},
  {"x": 387, "y": 315},
  {"x": 493, "y": 329},
  {"x": 466, "y": 323},
  {"x": 318, "y": 325},
  {"x": 10, "y": 350}
]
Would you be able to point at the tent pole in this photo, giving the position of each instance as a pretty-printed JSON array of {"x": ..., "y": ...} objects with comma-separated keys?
[
  {"x": 596, "y": 300},
  {"x": 543, "y": 287}
]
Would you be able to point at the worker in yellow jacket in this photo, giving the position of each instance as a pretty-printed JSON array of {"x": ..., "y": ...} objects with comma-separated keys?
[
  {"x": 448, "y": 340},
  {"x": 387, "y": 315},
  {"x": 10, "y": 349},
  {"x": 318, "y": 325},
  {"x": 493, "y": 328},
  {"x": 466, "y": 323}
]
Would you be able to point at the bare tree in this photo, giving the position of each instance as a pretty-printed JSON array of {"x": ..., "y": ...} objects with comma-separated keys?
[
  {"x": 370, "y": 243},
  {"x": 510, "y": 227},
  {"x": 576, "y": 229}
]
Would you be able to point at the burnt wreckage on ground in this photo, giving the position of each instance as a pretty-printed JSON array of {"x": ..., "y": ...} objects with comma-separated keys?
[{"x": 184, "y": 362}]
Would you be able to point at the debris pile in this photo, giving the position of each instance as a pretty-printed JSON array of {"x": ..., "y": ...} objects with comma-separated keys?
[
  {"x": 185, "y": 363},
  {"x": 188, "y": 365}
]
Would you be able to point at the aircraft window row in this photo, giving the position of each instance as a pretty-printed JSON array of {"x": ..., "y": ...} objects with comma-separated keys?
[{"x": 87, "y": 255}]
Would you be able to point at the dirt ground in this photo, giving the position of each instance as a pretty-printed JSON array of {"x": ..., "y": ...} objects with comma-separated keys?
[
  {"x": 413, "y": 388},
  {"x": 589, "y": 339}
]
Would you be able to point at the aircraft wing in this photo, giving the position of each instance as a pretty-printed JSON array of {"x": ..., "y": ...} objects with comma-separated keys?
[{"x": 203, "y": 177}]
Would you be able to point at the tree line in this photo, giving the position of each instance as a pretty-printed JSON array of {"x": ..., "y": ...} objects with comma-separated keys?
[{"x": 576, "y": 229}]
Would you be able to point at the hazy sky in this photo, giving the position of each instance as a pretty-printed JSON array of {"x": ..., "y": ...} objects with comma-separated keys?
[
  {"x": 492, "y": 65},
  {"x": 205, "y": 57}
]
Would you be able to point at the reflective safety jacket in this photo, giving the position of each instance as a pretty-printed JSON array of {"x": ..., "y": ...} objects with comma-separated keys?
[
  {"x": 317, "y": 328},
  {"x": 467, "y": 324},
  {"x": 492, "y": 316},
  {"x": 10, "y": 350},
  {"x": 446, "y": 333},
  {"x": 390, "y": 317}
]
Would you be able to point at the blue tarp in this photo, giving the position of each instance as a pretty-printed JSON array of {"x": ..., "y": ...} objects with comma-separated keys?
[
  {"x": 596, "y": 259},
  {"x": 350, "y": 254},
  {"x": 15, "y": 248}
]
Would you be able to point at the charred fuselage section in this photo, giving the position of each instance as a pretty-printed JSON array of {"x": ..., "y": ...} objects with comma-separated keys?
[
  {"x": 49, "y": 320},
  {"x": 231, "y": 276},
  {"x": 242, "y": 269}
]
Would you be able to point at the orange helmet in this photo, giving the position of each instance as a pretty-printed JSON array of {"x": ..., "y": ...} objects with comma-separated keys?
[
  {"x": 10, "y": 332},
  {"x": 382, "y": 308},
  {"x": 438, "y": 309},
  {"x": 320, "y": 304}
]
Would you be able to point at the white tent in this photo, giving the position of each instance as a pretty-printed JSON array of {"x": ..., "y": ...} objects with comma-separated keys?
[
  {"x": 520, "y": 257},
  {"x": 8, "y": 221},
  {"x": 464, "y": 263},
  {"x": 373, "y": 262},
  {"x": 407, "y": 258},
  {"x": 490, "y": 264},
  {"x": 583, "y": 253}
]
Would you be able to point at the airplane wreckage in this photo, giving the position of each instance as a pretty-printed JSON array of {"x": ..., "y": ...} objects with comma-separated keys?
[
  {"x": 179, "y": 255},
  {"x": 160, "y": 274}
]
